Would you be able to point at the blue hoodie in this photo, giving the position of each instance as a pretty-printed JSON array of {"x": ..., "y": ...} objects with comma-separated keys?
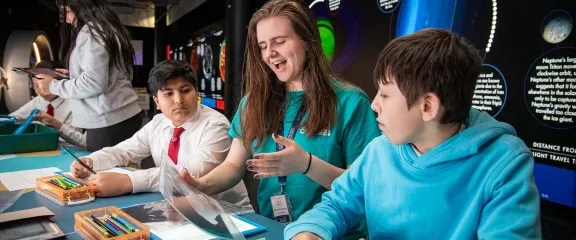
[{"x": 476, "y": 185}]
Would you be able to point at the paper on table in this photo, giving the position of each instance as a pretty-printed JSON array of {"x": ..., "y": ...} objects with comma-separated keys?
[
  {"x": 241, "y": 225},
  {"x": 7, "y": 156},
  {"x": 189, "y": 231},
  {"x": 25, "y": 179}
]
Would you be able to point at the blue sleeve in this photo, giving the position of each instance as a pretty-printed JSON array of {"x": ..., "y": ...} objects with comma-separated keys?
[
  {"x": 235, "y": 127},
  {"x": 360, "y": 129},
  {"x": 340, "y": 209},
  {"x": 513, "y": 211}
]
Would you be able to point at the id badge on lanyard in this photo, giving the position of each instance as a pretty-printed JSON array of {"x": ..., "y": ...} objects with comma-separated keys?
[{"x": 280, "y": 202}]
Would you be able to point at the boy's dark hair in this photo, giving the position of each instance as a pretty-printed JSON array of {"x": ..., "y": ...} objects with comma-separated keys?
[
  {"x": 167, "y": 70},
  {"x": 432, "y": 60},
  {"x": 48, "y": 64}
]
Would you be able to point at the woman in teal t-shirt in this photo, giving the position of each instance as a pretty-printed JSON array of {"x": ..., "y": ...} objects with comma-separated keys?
[{"x": 290, "y": 91}]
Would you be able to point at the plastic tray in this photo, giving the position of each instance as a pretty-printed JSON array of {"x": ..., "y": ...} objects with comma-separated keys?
[
  {"x": 65, "y": 197},
  {"x": 36, "y": 138},
  {"x": 87, "y": 230}
]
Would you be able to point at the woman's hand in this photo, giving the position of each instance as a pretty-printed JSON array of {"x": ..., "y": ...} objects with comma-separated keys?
[
  {"x": 293, "y": 159},
  {"x": 63, "y": 72},
  {"x": 191, "y": 180}
]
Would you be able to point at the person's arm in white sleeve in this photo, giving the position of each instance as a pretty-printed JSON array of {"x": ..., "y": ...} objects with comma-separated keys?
[
  {"x": 131, "y": 150},
  {"x": 24, "y": 112},
  {"x": 73, "y": 135},
  {"x": 94, "y": 77},
  {"x": 211, "y": 151}
]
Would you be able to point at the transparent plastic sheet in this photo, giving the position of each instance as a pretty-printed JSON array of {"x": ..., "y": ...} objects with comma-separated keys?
[{"x": 198, "y": 208}]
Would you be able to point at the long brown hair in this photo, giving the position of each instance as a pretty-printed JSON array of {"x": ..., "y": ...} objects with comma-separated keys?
[{"x": 265, "y": 94}]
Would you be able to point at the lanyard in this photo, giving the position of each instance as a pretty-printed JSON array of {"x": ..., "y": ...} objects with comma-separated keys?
[{"x": 291, "y": 135}]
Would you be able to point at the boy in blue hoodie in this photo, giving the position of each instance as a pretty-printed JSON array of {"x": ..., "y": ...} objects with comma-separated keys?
[{"x": 443, "y": 170}]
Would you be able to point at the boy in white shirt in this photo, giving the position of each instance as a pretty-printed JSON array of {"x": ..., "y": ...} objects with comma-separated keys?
[
  {"x": 55, "y": 112},
  {"x": 193, "y": 135}
]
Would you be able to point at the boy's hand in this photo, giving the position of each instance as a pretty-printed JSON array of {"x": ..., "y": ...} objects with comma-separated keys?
[
  {"x": 48, "y": 120},
  {"x": 109, "y": 184},
  {"x": 306, "y": 236},
  {"x": 293, "y": 159},
  {"x": 78, "y": 170}
]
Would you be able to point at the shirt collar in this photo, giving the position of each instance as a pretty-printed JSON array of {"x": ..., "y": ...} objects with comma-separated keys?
[
  {"x": 188, "y": 124},
  {"x": 57, "y": 101}
]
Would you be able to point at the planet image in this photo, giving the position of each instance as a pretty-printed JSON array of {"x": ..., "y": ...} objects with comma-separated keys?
[
  {"x": 327, "y": 37},
  {"x": 222, "y": 61},
  {"x": 473, "y": 19},
  {"x": 339, "y": 33},
  {"x": 557, "y": 27}
]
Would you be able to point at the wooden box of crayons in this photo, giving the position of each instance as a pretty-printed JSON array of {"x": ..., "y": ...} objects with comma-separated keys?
[
  {"x": 109, "y": 223},
  {"x": 65, "y": 189}
]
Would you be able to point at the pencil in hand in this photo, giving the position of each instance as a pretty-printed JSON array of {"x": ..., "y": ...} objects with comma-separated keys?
[{"x": 79, "y": 161}]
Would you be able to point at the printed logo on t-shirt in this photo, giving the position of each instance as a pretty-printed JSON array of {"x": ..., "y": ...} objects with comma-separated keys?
[{"x": 325, "y": 132}]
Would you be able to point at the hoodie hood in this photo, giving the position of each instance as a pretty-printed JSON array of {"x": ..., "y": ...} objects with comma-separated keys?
[{"x": 480, "y": 129}]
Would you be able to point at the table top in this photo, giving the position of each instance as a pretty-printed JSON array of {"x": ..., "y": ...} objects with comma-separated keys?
[{"x": 64, "y": 215}]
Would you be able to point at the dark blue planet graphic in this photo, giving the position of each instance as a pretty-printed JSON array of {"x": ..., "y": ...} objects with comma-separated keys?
[{"x": 472, "y": 19}]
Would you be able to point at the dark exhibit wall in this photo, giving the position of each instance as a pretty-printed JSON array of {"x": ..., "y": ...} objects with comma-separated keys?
[
  {"x": 144, "y": 56},
  {"x": 541, "y": 99},
  {"x": 529, "y": 75},
  {"x": 206, "y": 53},
  {"x": 198, "y": 38},
  {"x": 31, "y": 15},
  {"x": 354, "y": 32}
]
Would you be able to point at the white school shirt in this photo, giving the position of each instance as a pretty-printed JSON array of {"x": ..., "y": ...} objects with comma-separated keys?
[
  {"x": 204, "y": 144},
  {"x": 62, "y": 113}
]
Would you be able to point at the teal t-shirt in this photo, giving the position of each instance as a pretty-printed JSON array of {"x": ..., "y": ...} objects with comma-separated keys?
[{"x": 355, "y": 127}]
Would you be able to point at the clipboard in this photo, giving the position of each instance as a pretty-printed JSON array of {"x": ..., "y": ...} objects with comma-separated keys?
[
  {"x": 32, "y": 72},
  {"x": 35, "y": 223}
]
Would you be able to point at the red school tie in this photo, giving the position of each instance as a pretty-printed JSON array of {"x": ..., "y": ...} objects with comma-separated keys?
[
  {"x": 50, "y": 110},
  {"x": 174, "y": 145}
]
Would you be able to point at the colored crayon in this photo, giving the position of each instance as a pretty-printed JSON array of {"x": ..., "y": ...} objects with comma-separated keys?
[
  {"x": 71, "y": 181},
  {"x": 94, "y": 219},
  {"x": 101, "y": 229},
  {"x": 51, "y": 181},
  {"x": 118, "y": 224},
  {"x": 109, "y": 224},
  {"x": 126, "y": 223}
]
